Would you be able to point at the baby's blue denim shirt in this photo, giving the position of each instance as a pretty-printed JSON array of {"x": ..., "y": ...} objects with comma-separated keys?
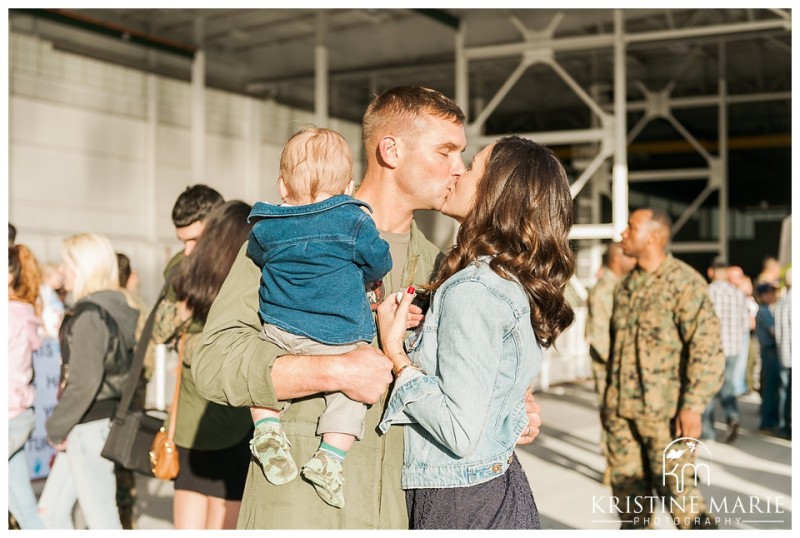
[
  {"x": 315, "y": 260},
  {"x": 480, "y": 354}
]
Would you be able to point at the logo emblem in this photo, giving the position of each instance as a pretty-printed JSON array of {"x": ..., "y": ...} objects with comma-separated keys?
[{"x": 679, "y": 463}]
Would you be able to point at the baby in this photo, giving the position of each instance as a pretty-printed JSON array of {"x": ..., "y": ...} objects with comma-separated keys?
[{"x": 316, "y": 251}]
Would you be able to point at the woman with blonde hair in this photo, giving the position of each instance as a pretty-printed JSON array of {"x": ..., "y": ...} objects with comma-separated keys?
[
  {"x": 97, "y": 341},
  {"x": 23, "y": 339}
]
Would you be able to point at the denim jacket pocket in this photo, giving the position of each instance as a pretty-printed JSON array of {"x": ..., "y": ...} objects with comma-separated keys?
[{"x": 508, "y": 431}]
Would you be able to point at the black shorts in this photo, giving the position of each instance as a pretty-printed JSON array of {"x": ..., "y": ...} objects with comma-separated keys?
[{"x": 216, "y": 473}]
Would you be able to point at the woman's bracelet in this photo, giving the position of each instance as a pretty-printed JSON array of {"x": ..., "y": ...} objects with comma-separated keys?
[{"x": 403, "y": 368}]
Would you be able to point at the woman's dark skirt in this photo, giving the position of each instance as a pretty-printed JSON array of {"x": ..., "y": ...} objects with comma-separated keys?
[
  {"x": 216, "y": 473},
  {"x": 505, "y": 502}
]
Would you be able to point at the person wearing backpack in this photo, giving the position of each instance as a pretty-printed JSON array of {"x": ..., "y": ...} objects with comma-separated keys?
[{"x": 97, "y": 338}]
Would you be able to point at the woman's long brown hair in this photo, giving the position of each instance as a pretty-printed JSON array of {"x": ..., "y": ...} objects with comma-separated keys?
[
  {"x": 200, "y": 275},
  {"x": 521, "y": 216}
]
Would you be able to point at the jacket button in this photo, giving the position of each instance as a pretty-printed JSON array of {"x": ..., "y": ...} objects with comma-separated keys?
[{"x": 496, "y": 467}]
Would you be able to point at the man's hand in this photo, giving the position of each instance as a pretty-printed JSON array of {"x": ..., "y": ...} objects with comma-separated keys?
[
  {"x": 60, "y": 447},
  {"x": 688, "y": 423},
  {"x": 365, "y": 374},
  {"x": 534, "y": 420}
]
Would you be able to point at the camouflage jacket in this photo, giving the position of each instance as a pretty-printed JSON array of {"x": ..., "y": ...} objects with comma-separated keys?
[
  {"x": 601, "y": 301},
  {"x": 666, "y": 345}
]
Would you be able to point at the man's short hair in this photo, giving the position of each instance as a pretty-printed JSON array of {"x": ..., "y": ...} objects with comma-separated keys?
[
  {"x": 661, "y": 217},
  {"x": 12, "y": 234},
  {"x": 766, "y": 287},
  {"x": 406, "y": 103},
  {"x": 316, "y": 160},
  {"x": 194, "y": 204}
]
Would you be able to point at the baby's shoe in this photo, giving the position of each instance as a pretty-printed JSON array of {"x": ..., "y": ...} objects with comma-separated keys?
[
  {"x": 271, "y": 448},
  {"x": 325, "y": 472}
]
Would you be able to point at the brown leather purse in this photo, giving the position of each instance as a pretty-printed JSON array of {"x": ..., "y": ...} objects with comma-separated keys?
[{"x": 164, "y": 452}]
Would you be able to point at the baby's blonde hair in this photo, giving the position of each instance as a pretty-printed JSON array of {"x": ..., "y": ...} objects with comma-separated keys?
[{"x": 316, "y": 160}]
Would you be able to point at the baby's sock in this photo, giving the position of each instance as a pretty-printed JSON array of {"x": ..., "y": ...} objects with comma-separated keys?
[{"x": 337, "y": 453}]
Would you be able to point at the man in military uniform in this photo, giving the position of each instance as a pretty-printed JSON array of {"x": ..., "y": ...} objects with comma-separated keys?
[
  {"x": 600, "y": 302},
  {"x": 666, "y": 363},
  {"x": 601, "y": 299}
]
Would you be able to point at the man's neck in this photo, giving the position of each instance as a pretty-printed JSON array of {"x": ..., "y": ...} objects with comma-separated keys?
[
  {"x": 652, "y": 260},
  {"x": 390, "y": 213}
]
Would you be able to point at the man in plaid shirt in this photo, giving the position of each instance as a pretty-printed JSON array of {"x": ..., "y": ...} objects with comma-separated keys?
[
  {"x": 783, "y": 336},
  {"x": 730, "y": 304}
]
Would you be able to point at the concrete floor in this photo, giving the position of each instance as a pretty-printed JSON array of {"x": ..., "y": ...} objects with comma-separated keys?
[{"x": 565, "y": 468}]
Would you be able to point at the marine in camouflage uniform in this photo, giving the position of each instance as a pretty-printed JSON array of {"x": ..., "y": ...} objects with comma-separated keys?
[
  {"x": 665, "y": 366},
  {"x": 598, "y": 322},
  {"x": 600, "y": 302}
]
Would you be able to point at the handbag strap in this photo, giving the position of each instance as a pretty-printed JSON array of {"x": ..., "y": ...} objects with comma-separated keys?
[
  {"x": 137, "y": 364},
  {"x": 173, "y": 408}
]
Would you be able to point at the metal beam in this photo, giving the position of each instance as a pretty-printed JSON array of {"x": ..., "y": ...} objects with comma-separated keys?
[
  {"x": 692, "y": 209},
  {"x": 619, "y": 183},
  {"x": 554, "y": 138},
  {"x": 722, "y": 168},
  {"x": 321, "y": 70},
  {"x": 602, "y": 41},
  {"x": 129, "y": 35},
  {"x": 440, "y": 16},
  {"x": 501, "y": 93},
  {"x": 713, "y": 30},
  {"x": 679, "y": 174},
  {"x": 695, "y": 246},
  {"x": 587, "y": 174}
]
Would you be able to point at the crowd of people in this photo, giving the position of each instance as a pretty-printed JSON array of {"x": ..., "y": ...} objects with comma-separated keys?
[
  {"x": 666, "y": 348},
  {"x": 305, "y": 330}
]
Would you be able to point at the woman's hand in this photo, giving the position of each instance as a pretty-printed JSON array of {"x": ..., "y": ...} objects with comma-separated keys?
[
  {"x": 533, "y": 411},
  {"x": 393, "y": 321}
]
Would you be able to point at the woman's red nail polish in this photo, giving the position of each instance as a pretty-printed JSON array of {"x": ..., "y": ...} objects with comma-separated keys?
[{"x": 410, "y": 290}]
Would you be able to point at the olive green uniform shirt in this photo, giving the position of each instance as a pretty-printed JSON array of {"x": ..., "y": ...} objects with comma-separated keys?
[
  {"x": 199, "y": 424},
  {"x": 666, "y": 345},
  {"x": 234, "y": 365},
  {"x": 598, "y": 322}
]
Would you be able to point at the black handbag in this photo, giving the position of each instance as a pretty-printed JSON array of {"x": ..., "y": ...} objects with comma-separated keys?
[
  {"x": 131, "y": 438},
  {"x": 133, "y": 430}
]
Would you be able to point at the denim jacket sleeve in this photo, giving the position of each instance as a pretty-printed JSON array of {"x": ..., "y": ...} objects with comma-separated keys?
[
  {"x": 453, "y": 404},
  {"x": 371, "y": 253}
]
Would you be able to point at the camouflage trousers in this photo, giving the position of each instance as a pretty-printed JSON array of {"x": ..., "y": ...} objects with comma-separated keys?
[
  {"x": 649, "y": 472},
  {"x": 600, "y": 372}
]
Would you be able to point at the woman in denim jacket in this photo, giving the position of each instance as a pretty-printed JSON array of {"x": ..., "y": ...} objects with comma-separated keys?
[{"x": 462, "y": 377}]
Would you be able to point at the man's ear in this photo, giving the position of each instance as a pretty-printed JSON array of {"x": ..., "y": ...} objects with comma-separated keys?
[
  {"x": 283, "y": 190},
  {"x": 387, "y": 151}
]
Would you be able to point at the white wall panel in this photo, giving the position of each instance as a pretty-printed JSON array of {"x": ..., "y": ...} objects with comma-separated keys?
[{"x": 78, "y": 153}]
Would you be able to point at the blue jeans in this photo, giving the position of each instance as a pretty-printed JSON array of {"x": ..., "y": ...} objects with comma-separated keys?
[
  {"x": 771, "y": 391},
  {"x": 786, "y": 400},
  {"x": 21, "y": 499},
  {"x": 726, "y": 396},
  {"x": 740, "y": 369},
  {"x": 81, "y": 474}
]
